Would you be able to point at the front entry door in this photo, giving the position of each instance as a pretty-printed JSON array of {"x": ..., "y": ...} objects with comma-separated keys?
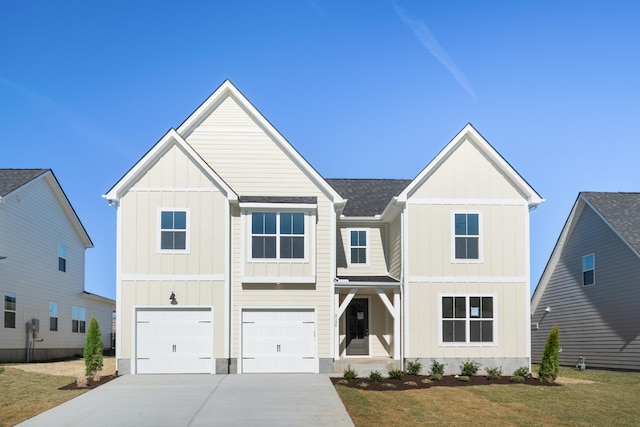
[{"x": 358, "y": 327}]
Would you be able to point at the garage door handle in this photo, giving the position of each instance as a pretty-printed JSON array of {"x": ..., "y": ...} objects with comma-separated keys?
[
  {"x": 143, "y": 358},
  {"x": 204, "y": 358},
  {"x": 204, "y": 321}
]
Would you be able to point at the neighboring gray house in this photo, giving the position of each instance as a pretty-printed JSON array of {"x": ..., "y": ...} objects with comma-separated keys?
[
  {"x": 42, "y": 247},
  {"x": 590, "y": 287}
]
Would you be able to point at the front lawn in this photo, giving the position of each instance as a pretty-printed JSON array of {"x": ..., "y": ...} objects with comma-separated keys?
[{"x": 585, "y": 398}]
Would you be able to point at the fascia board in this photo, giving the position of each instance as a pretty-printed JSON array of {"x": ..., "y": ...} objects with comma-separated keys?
[
  {"x": 228, "y": 89},
  {"x": 152, "y": 157},
  {"x": 469, "y": 132}
]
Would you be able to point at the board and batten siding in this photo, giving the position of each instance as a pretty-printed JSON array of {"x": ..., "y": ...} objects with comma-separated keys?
[
  {"x": 149, "y": 276},
  {"x": 599, "y": 322},
  {"x": 377, "y": 258},
  {"x": 32, "y": 224}
]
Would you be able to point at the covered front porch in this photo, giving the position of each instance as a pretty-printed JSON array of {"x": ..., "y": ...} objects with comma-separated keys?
[{"x": 367, "y": 323}]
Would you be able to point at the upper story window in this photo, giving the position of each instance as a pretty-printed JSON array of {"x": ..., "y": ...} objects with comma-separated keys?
[
  {"x": 62, "y": 257},
  {"x": 467, "y": 319},
  {"x": 173, "y": 230},
  {"x": 277, "y": 235},
  {"x": 78, "y": 319},
  {"x": 53, "y": 316},
  {"x": 9, "y": 311},
  {"x": 466, "y": 236},
  {"x": 588, "y": 270},
  {"x": 358, "y": 242}
]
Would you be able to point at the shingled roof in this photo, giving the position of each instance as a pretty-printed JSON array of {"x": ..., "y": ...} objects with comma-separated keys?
[
  {"x": 367, "y": 197},
  {"x": 12, "y": 179},
  {"x": 621, "y": 211}
]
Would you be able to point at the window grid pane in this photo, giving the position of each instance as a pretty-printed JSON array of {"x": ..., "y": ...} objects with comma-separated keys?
[
  {"x": 173, "y": 226},
  {"x": 456, "y": 319},
  {"x": 466, "y": 242},
  {"x": 277, "y": 235}
]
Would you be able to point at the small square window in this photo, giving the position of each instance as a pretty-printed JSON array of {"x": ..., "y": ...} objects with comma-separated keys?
[
  {"x": 358, "y": 244},
  {"x": 173, "y": 230},
  {"x": 467, "y": 234}
]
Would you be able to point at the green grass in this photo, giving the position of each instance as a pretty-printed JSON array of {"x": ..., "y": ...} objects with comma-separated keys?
[
  {"x": 613, "y": 399},
  {"x": 25, "y": 395}
]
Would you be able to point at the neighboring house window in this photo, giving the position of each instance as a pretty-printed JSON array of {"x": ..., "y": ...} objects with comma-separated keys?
[
  {"x": 9, "y": 311},
  {"x": 62, "y": 257},
  {"x": 277, "y": 235},
  {"x": 53, "y": 316},
  {"x": 358, "y": 242},
  {"x": 78, "y": 320},
  {"x": 173, "y": 230},
  {"x": 467, "y": 319},
  {"x": 588, "y": 270},
  {"x": 467, "y": 232}
]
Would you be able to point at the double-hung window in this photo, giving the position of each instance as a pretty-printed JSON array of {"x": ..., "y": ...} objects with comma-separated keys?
[
  {"x": 78, "y": 319},
  {"x": 588, "y": 270},
  {"x": 53, "y": 316},
  {"x": 173, "y": 230},
  {"x": 277, "y": 235},
  {"x": 9, "y": 311},
  {"x": 62, "y": 257},
  {"x": 466, "y": 236},
  {"x": 358, "y": 244},
  {"x": 467, "y": 319}
]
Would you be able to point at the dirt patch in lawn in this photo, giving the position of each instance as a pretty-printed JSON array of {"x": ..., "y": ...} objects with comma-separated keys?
[
  {"x": 413, "y": 382},
  {"x": 67, "y": 368},
  {"x": 565, "y": 380}
]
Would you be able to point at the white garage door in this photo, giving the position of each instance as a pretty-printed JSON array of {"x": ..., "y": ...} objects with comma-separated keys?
[
  {"x": 278, "y": 341},
  {"x": 171, "y": 341}
]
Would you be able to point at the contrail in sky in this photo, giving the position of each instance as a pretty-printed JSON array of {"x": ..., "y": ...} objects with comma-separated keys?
[{"x": 427, "y": 39}]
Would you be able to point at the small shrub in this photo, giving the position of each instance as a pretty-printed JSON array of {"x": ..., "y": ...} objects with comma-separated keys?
[
  {"x": 396, "y": 374},
  {"x": 437, "y": 367},
  {"x": 426, "y": 381},
  {"x": 343, "y": 382},
  {"x": 350, "y": 374},
  {"x": 411, "y": 383},
  {"x": 549, "y": 366},
  {"x": 470, "y": 368},
  {"x": 464, "y": 378},
  {"x": 414, "y": 368},
  {"x": 494, "y": 373},
  {"x": 389, "y": 385},
  {"x": 517, "y": 379},
  {"x": 364, "y": 384},
  {"x": 522, "y": 372},
  {"x": 435, "y": 377},
  {"x": 92, "y": 352},
  {"x": 375, "y": 376}
]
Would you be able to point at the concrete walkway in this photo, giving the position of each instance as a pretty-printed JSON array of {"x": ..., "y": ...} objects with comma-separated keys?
[{"x": 203, "y": 400}]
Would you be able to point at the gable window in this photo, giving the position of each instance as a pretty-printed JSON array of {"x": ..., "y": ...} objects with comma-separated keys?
[
  {"x": 62, "y": 257},
  {"x": 467, "y": 319},
  {"x": 78, "y": 319},
  {"x": 466, "y": 236},
  {"x": 277, "y": 235},
  {"x": 53, "y": 316},
  {"x": 358, "y": 243},
  {"x": 173, "y": 230},
  {"x": 9, "y": 311},
  {"x": 588, "y": 270}
]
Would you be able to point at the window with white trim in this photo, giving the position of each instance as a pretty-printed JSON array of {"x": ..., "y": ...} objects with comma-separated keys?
[
  {"x": 358, "y": 242},
  {"x": 9, "y": 311},
  {"x": 588, "y": 270},
  {"x": 53, "y": 316},
  {"x": 173, "y": 230},
  {"x": 78, "y": 319},
  {"x": 277, "y": 235},
  {"x": 62, "y": 257},
  {"x": 467, "y": 236},
  {"x": 467, "y": 319}
]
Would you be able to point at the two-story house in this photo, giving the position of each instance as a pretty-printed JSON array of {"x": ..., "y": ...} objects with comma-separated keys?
[
  {"x": 235, "y": 255},
  {"x": 42, "y": 257}
]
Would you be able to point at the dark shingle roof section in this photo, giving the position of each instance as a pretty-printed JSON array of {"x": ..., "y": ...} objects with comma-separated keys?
[
  {"x": 305, "y": 200},
  {"x": 622, "y": 211},
  {"x": 382, "y": 279},
  {"x": 12, "y": 179},
  {"x": 367, "y": 197}
]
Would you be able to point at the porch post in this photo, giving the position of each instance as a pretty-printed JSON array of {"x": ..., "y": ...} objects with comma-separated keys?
[
  {"x": 396, "y": 325},
  {"x": 336, "y": 326}
]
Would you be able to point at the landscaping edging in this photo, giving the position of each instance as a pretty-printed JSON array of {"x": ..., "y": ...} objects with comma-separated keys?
[{"x": 414, "y": 382}]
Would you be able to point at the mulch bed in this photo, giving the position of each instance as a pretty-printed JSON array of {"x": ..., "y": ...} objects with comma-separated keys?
[
  {"x": 91, "y": 384},
  {"x": 446, "y": 381}
]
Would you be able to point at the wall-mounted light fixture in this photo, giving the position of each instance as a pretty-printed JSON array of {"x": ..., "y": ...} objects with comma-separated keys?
[
  {"x": 172, "y": 298},
  {"x": 548, "y": 309}
]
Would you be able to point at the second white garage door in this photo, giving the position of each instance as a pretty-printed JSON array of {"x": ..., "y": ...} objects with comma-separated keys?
[
  {"x": 172, "y": 341},
  {"x": 278, "y": 341}
]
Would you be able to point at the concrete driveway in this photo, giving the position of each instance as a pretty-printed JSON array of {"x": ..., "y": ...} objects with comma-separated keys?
[{"x": 204, "y": 400}]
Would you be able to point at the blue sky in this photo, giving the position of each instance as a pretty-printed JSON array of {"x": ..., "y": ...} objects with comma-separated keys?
[{"x": 370, "y": 89}]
